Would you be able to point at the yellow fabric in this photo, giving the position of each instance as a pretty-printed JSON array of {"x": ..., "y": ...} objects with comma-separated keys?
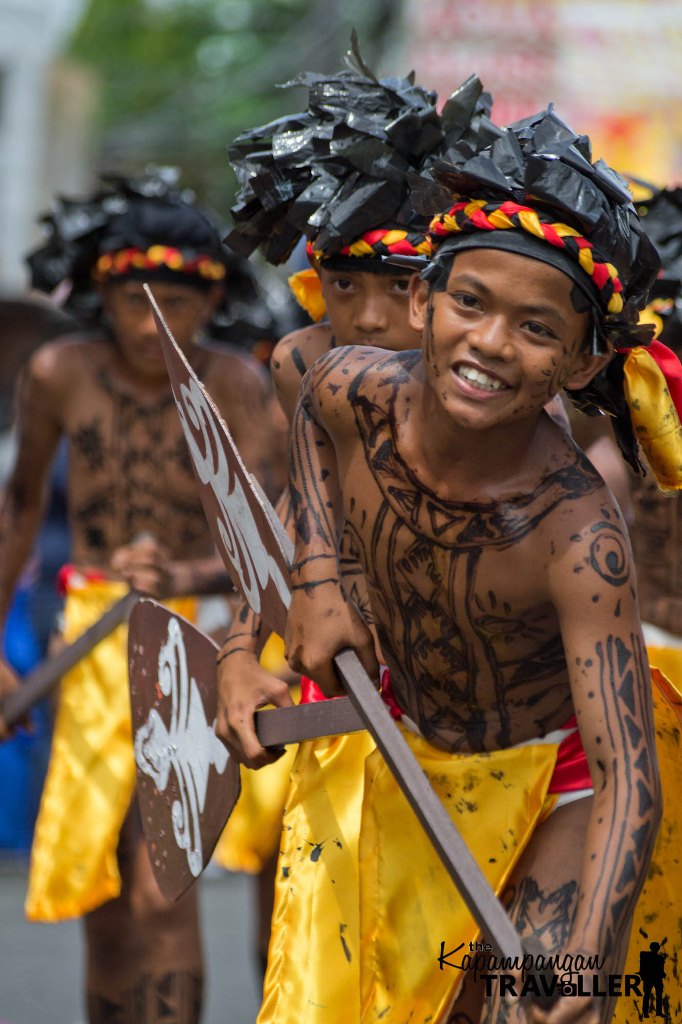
[
  {"x": 307, "y": 289},
  {"x": 91, "y": 775},
  {"x": 250, "y": 838},
  {"x": 659, "y": 910},
  {"x": 362, "y": 902},
  {"x": 654, "y": 417}
]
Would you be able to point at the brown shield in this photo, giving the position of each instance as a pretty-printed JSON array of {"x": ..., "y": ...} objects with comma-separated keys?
[{"x": 187, "y": 782}]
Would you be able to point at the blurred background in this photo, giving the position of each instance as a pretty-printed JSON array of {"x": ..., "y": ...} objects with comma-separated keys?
[{"x": 90, "y": 85}]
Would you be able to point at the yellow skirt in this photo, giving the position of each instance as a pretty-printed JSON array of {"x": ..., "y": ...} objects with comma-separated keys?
[
  {"x": 91, "y": 775},
  {"x": 362, "y": 901}
]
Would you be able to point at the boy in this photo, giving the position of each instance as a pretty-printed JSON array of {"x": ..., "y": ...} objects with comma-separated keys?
[
  {"x": 340, "y": 174},
  {"x": 337, "y": 165},
  {"x": 500, "y": 583},
  {"x": 136, "y": 521}
]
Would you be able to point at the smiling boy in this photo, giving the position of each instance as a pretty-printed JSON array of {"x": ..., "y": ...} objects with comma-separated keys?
[{"x": 501, "y": 586}]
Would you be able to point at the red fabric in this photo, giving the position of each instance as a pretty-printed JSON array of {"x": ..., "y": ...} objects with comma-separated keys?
[
  {"x": 311, "y": 693},
  {"x": 570, "y": 772},
  {"x": 67, "y": 572},
  {"x": 670, "y": 367}
]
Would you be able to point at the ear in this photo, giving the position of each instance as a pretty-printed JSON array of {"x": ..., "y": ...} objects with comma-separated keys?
[
  {"x": 587, "y": 367},
  {"x": 419, "y": 300}
]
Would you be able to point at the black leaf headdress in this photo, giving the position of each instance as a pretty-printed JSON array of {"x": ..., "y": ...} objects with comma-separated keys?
[
  {"x": 535, "y": 190},
  {"x": 133, "y": 217},
  {"x": 661, "y": 213},
  {"x": 343, "y": 166}
]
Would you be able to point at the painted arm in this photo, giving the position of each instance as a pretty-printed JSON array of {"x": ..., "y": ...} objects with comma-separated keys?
[
  {"x": 321, "y": 620},
  {"x": 25, "y": 495},
  {"x": 595, "y": 596}
]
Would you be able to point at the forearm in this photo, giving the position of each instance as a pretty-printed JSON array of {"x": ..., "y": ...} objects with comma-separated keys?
[
  {"x": 19, "y": 524},
  {"x": 201, "y": 576},
  {"x": 627, "y": 803}
]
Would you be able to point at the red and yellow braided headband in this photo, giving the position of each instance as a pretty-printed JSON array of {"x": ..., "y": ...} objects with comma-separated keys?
[
  {"x": 379, "y": 242},
  {"x": 470, "y": 215},
  {"x": 126, "y": 261}
]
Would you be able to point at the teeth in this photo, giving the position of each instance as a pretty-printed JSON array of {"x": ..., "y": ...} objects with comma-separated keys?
[{"x": 480, "y": 379}]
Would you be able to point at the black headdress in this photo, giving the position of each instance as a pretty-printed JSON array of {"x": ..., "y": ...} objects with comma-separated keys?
[
  {"x": 342, "y": 167},
  {"x": 662, "y": 216},
  {"x": 535, "y": 191},
  {"x": 146, "y": 227}
]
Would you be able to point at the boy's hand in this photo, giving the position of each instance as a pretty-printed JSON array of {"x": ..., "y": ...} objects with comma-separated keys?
[
  {"x": 321, "y": 623},
  {"x": 243, "y": 687},
  {"x": 8, "y": 684},
  {"x": 146, "y": 565}
]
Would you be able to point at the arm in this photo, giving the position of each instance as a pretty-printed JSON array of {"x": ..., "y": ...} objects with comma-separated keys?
[
  {"x": 243, "y": 686},
  {"x": 38, "y": 432},
  {"x": 291, "y": 359},
  {"x": 243, "y": 393},
  {"x": 146, "y": 565},
  {"x": 611, "y": 689},
  {"x": 321, "y": 620}
]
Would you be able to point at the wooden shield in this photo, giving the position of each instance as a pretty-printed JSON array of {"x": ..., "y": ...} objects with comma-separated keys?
[{"x": 187, "y": 782}]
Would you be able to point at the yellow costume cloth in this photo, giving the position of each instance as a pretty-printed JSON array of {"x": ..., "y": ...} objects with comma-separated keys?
[
  {"x": 658, "y": 913},
  {"x": 360, "y": 912},
  {"x": 91, "y": 775},
  {"x": 250, "y": 838}
]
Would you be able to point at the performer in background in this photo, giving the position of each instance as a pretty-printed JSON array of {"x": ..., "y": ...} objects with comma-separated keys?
[{"x": 136, "y": 521}]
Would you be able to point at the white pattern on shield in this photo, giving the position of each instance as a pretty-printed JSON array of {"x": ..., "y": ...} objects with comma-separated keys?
[
  {"x": 188, "y": 748},
  {"x": 236, "y": 525}
]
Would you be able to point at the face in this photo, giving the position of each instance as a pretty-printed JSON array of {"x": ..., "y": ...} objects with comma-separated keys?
[
  {"x": 369, "y": 309},
  {"x": 185, "y": 309},
  {"x": 502, "y": 338}
]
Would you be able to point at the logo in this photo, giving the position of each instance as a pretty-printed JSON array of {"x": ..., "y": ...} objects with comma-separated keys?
[
  {"x": 652, "y": 973},
  {"x": 564, "y": 975}
]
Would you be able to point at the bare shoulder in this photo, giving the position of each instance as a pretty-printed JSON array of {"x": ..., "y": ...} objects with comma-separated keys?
[
  {"x": 229, "y": 368},
  {"x": 292, "y": 357},
  {"x": 58, "y": 366},
  {"x": 588, "y": 541},
  {"x": 345, "y": 377}
]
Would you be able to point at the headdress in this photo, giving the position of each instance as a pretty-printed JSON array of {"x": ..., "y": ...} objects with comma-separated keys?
[
  {"x": 661, "y": 213},
  {"x": 339, "y": 172},
  {"x": 148, "y": 228},
  {"x": 535, "y": 191}
]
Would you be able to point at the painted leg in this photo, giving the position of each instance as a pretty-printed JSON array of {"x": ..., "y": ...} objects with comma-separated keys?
[{"x": 144, "y": 958}]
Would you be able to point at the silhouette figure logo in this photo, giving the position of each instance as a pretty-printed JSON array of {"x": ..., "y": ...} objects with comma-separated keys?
[{"x": 652, "y": 972}]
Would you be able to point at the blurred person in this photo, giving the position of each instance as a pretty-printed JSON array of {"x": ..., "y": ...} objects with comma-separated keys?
[{"x": 136, "y": 521}]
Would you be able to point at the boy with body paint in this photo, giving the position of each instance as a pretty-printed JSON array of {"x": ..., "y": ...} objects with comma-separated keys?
[
  {"x": 347, "y": 190},
  {"x": 501, "y": 589},
  {"x": 136, "y": 521}
]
